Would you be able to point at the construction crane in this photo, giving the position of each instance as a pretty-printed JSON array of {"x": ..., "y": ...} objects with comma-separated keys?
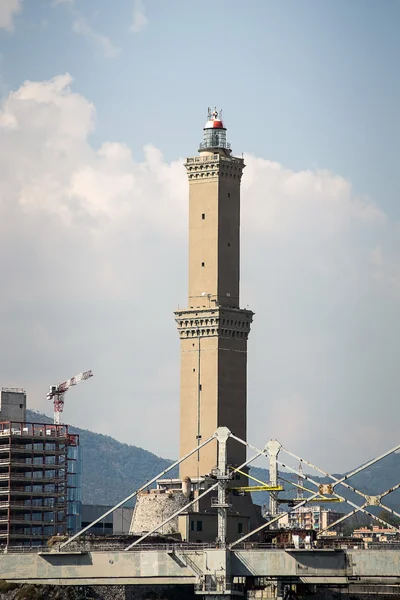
[{"x": 57, "y": 393}]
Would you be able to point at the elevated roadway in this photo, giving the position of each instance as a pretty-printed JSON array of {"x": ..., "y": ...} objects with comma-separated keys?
[{"x": 177, "y": 565}]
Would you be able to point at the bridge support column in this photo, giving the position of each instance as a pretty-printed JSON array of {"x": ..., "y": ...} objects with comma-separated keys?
[
  {"x": 217, "y": 581},
  {"x": 273, "y": 447}
]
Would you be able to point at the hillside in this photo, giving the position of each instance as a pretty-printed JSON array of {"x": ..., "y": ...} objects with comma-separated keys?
[{"x": 112, "y": 470}]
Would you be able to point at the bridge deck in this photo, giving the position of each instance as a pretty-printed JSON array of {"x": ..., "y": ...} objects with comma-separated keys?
[{"x": 174, "y": 567}]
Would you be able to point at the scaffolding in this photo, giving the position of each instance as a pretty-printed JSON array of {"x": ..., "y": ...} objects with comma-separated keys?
[{"x": 36, "y": 486}]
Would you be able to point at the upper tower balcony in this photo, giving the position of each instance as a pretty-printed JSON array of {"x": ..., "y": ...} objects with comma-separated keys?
[{"x": 214, "y": 133}]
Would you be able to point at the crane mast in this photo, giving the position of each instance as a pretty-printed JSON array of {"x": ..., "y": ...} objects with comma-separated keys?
[{"x": 57, "y": 393}]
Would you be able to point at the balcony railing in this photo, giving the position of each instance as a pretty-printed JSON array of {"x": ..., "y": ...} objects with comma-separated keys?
[{"x": 209, "y": 145}]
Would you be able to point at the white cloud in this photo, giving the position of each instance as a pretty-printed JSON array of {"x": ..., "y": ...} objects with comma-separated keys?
[
  {"x": 93, "y": 263},
  {"x": 8, "y": 10},
  {"x": 104, "y": 43},
  {"x": 139, "y": 19}
]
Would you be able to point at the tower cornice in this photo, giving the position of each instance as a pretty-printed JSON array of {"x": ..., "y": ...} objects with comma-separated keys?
[
  {"x": 209, "y": 322},
  {"x": 214, "y": 165}
]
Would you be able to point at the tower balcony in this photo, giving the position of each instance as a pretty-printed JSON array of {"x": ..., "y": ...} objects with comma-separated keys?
[{"x": 207, "y": 322}]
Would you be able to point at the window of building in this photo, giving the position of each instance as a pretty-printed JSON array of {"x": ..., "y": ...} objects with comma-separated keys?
[
  {"x": 194, "y": 370},
  {"x": 199, "y": 525},
  {"x": 229, "y": 244},
  {"x": 191, "y": 525},
  {"x": 229, "y": 194},
  {"x": 203, "y": 264},
  {"x": 203, "y": 216},
  {"x": 240, "y": 527}
]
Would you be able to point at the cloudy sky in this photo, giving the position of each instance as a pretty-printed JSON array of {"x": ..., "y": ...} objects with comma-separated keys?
[{"x": 100, "y": 103}]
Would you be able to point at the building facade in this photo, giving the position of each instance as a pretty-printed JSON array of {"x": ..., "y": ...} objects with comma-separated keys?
[
  {"x": 117, "y": 523},
  {"x": 12, "y": 404},
  {"x": 213, "y": 329},
  {"x": 314, "y": 518},
  {"x": 35, "y": 484}
]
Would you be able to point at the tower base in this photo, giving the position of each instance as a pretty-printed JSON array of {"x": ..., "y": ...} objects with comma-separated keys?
[{"x": 197, "y": 524}]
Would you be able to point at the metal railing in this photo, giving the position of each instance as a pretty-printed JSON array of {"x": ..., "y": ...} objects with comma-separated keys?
[{"x": 218, "y": 144}]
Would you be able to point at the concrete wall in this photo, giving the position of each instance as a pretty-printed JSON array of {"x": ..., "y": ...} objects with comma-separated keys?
[
  {"x": 12, "y": 405},
  {"x": 122, "y": 518},
  {"x": 163, "y": 567}
]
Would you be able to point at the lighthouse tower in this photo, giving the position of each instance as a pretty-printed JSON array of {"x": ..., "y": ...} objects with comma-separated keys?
[
  {"x": 213, "y": 329},
  {"x": 213, "y": 332}
]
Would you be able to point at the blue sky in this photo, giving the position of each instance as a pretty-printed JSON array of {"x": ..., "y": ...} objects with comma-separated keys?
[
  {"x": 93, "y": 208},
  {"x": 310, "y": 84}
]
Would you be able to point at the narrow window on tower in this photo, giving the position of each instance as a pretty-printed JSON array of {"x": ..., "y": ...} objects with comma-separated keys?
[
  {"x": 229, "y": 194},
  {"x": 203, "y": 264},
  {"x": 229, "y": 244},
  {"x": 203, "y": 216}
]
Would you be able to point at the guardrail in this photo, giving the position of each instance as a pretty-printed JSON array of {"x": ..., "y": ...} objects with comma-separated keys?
[{"x": 90, "y": 546}]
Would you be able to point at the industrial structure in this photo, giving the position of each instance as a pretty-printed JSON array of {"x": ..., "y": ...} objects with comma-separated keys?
[
  {"x": 280, "y": 562},
  {"x": 57, "y": 393}
]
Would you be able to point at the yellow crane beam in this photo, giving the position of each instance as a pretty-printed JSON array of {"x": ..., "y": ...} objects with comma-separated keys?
[
  {"x": 262, "y": 487},
  {"x": 258, "y": 488}
]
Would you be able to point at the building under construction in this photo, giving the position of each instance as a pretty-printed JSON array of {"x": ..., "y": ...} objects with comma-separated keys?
[{"x": 40, "y": 473}]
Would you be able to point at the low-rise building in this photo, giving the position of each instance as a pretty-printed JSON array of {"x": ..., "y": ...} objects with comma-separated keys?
[
  {"x": 117, "y": 523},
  {"x": 377, "y": 534},
  {"x": 315, "y": 518}
]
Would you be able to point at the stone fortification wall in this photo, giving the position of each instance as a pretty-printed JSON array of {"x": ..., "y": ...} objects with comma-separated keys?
[{"x": 153, "y": 507}]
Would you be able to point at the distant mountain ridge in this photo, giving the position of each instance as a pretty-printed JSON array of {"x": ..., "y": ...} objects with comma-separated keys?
[{"x": 113, "y": 470}]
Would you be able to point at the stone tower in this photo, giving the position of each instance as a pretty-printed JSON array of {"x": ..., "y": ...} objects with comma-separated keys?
[{"x": 213, "y": 329}]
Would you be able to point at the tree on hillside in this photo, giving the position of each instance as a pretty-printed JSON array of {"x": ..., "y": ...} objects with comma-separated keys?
[
  {"x": 389, "y": 518},
  {"x": 355, "y": 522}
]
